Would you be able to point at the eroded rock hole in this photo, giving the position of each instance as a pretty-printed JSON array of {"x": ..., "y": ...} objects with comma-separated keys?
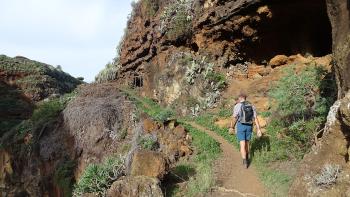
[
  {"x": 194, "y": 47},
  {"x": 295, "y": 27},
  {"x": 137, "y": 82}
]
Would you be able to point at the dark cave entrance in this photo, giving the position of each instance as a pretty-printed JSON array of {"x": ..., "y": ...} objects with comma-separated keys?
[
  {"x": 296, "y": 27},
  {"x": 137, "y": 81}
]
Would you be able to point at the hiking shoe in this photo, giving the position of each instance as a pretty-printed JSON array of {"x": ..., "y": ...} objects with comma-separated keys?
[{"x": 245, "y": 163}]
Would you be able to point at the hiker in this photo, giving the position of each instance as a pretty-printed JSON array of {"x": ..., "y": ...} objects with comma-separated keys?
[{"x": 245, "y": 114}]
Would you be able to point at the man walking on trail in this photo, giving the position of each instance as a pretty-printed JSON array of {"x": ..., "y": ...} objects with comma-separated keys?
[{"x": 244, "y": 115}]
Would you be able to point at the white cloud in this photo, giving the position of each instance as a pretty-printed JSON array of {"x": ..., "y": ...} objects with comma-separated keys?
[{"x": 72, "y": 33}]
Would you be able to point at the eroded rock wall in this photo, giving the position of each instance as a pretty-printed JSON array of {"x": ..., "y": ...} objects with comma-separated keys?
[
  {"x": 228, "y": 34},
  {"x": 339, "y": 14}
]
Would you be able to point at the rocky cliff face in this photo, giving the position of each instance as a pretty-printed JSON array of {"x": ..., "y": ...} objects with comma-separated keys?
[
  {"x": 338, "y": 12},
  {"x": 170, "y": 47}
]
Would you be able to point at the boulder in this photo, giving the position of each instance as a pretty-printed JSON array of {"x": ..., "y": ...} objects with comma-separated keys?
[
  {"x": 135, "y": 187},
  {"x": 180, "y": 131},
  {"x": 185, "y": 150},
  {"x": 149, "y": 126},
  {"x": 148, "y": 163},
  {"x": 278, "y": 60}
]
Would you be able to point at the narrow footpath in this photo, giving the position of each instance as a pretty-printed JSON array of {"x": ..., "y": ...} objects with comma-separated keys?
[{"x": 233, "y": 180}]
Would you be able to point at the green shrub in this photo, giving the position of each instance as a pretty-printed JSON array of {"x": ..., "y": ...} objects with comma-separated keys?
[
  {"x": 176, "y": 19},
  {"x": 150, "y": 107},
  {"x": 148, "y": 143},
  {"x": 183, "y": 171},
  {"x": 47, "y": 111},
  {"x": 218, "y": 78},
  {"x": 265, "y": 114},
  {"x": 97, "y": 178},
  {"x": 301, "y": 108},
  {"x": 297, "y": 95}
]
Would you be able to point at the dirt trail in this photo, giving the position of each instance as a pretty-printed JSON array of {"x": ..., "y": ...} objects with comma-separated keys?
[{"x": 232, "y": 178}]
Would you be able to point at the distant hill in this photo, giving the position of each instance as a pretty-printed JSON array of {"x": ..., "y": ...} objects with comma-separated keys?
[
  {"x": 23, "y": 82},
  {"x": 36, "y": 80}
]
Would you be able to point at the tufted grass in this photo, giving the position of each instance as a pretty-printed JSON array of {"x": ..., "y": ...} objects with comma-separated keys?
[{"x": 207, "y": 151}]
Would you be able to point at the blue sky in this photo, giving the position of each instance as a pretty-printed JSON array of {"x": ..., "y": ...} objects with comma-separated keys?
[{"x": 79, "y": 35}]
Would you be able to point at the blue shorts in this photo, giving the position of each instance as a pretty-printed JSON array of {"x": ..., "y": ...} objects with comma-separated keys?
[{"x": 244, "y": 132}]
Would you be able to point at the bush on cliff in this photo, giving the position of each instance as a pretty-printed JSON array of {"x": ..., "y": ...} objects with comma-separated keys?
[
  {"x": 97, "y": 178},
  {"x": 109, "y": 73},
  {"x": 151, "y": 7},
  {"x": 176, "y": 19}
]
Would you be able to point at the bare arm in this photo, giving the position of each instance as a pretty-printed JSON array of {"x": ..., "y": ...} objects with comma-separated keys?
[
  {"x": 258, "y": 130},
  {"x": 233, "y": 122},
  {"x": 258, "y": 126}
]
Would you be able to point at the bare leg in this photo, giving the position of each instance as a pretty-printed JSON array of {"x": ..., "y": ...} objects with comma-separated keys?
[
  {"x": 247, "y": 148},
  {"x": 243, "y": 149}
]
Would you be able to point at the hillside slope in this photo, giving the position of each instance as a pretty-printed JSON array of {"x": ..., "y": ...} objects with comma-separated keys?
[
  {"x": 23, "y": 82},
  {"x": 36, "y": 80}
]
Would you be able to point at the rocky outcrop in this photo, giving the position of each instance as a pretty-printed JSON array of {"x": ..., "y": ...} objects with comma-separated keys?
[
  {"x": 148, "y": 163},
  {"x": 135, "y": 187},
  {"x": 339, "y": 14}
]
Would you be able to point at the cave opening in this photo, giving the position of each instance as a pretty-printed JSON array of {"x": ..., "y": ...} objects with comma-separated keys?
[
  {"x": 194, "y": 47},
  {"x": 297, "y": 26},
  {"x": 137, "y": 82}
]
